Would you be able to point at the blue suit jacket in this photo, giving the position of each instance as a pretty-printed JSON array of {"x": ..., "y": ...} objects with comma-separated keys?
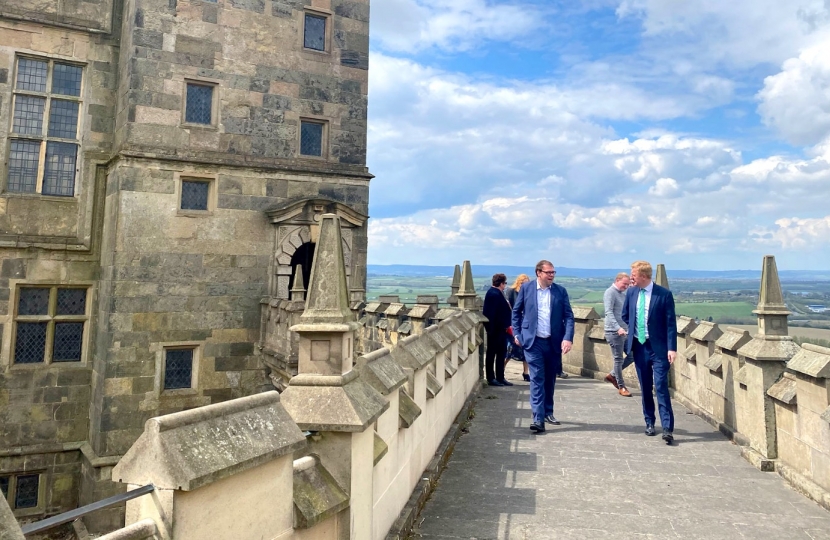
[
  {"x": 526, "y": 314},
  {"x": 662, "y": 322}
]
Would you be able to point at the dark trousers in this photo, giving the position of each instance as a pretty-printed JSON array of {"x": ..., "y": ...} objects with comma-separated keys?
[
  {"x": 494, "y": 360},
  {"x": 653, "y": 373},
  {"x": 544, "y": 362}
]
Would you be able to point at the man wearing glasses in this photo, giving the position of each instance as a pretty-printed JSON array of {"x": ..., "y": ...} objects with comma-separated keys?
[{"x": 543, "y": 325}]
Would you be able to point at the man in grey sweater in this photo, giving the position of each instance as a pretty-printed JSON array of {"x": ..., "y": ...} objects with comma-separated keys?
[{"x": 616, "y": 330}]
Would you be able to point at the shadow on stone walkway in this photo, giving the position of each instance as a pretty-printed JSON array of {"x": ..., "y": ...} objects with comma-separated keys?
[{"x": 598, "y": 476}]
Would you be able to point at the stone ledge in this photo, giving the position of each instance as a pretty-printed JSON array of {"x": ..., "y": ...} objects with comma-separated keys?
[
  {"x": 402, "y": 528},
  {"x": 803, "y": 485}
]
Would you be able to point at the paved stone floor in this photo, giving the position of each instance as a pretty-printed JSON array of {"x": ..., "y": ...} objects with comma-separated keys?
[{"x": 598, "y": 476}]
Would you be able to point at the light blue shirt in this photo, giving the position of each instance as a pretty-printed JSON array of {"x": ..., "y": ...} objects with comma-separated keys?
[
  {"x": 648, "y": 289},
  {"x": 543, "y": 309}
]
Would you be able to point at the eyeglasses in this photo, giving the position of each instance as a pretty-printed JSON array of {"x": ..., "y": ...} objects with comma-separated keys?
[{"x": 548, "y": 272}]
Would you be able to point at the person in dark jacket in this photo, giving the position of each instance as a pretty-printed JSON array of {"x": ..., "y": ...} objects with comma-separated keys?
[{"x": 498, "y": 314}]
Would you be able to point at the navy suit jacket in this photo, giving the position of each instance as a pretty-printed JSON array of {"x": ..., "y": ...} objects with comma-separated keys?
[
  {"x": 526, "y": 315},
  {"x": 497, "y": 311},
  {"x": 662, "y": 323}
]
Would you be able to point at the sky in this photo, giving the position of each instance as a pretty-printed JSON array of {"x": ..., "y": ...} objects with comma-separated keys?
[{"x": 693, "y": 133}]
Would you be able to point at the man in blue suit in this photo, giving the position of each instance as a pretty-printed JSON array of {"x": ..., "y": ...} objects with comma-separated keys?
[
  {"x": 648, "y": 311},
  {"x": 543, "y": 325}
]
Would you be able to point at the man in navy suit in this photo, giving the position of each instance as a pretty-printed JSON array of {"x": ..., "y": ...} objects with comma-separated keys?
[
  {"x": 543, "y": 325},
  {"x": 497, "y": 311},
  {"x": 648, "y": 311}
]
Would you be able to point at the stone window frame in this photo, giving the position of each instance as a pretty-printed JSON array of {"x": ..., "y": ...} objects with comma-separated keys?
[
  {"x": 324, "y": 144},
  {"x": 15, "y": 286},
  {"x": 328, "y": 35},
  {"x": 41, "y": 493},
  {"x": 44, "y": 138},
  {"x": 161, "y": 363},
  {"x": 214, "y": 105},
  {"x": 213, "y": 193}
]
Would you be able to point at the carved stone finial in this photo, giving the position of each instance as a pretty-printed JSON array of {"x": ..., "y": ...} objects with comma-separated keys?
[
  {"x": 466, "y": 292},
  {"x": 327, "y": 299},
  {"x": 298, "y": 289},
  {"x": 661, "y": 278},
  {"x": 772, "y": 311},
  {"x": 456, "y": 283}
]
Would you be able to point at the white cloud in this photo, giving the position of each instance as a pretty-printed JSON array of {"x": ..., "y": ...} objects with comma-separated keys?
[
  {"x": 797, "y": 233},
  {"x": 739, "y": 32},
  {"x": 453, "y": 25},
  {"x": 796, "y": 101}
]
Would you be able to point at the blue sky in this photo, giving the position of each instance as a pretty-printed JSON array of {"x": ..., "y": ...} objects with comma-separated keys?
[{"x": 694, "y": 133}]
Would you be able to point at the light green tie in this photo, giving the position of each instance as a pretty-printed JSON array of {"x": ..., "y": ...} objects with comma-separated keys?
[{"x": 641, "y": 317}]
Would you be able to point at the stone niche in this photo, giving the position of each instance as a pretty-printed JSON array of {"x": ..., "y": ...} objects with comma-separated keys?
[
  {"x": 297, "y": 224},
  {"x": 297, "y": 227}
]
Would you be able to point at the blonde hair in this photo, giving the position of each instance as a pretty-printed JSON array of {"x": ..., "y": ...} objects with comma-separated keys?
[
  {"x": 642, "y": 268},
  {"x": 520, "y": 279},
  {"x": 621, "y": 275}
]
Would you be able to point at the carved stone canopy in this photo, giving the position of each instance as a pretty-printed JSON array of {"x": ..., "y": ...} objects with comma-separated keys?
[{"x": 310, "y": 211}]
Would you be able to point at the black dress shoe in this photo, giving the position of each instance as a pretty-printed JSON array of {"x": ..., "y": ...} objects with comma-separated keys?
[
  {"x": 505, "y": 382},
  {"x": 668, "y": 437},
  {"x": 650, "y": 430},
  {"x": 563, "y": 375},
  {"x": 550, "y": 419},
  {"x": 494, "y": 382},
  {"x": 526, "y": 377},
  {"x": 536, "y": 427}
]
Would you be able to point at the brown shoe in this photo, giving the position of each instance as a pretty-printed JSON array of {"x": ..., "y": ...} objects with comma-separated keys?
[
  {"x": 613, "y": 380},
  {"x": 624, "y": 392}
]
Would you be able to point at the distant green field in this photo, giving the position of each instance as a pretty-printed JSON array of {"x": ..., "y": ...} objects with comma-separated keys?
[{"x": 716, "y": 310}]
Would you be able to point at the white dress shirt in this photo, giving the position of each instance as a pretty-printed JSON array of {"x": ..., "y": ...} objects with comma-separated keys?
[{"x": 543, "y": 310}]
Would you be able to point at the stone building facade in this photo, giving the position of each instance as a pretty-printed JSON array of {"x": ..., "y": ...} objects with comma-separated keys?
[{"x": 165, "y": 167}]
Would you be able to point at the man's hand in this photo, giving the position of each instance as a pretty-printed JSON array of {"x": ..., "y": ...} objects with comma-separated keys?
[
  {"x": 566, "y": 346},
  {"x": 621, "y": 332},
  {"x": 672, "y": 356},
  {"x": 516, "y": 341}
]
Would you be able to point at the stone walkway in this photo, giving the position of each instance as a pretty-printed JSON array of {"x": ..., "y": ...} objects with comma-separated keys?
[{"x": 598, "y": 476}]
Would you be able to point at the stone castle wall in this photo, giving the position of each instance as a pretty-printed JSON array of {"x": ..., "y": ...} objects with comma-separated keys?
[{"x": 159, "y": 277}]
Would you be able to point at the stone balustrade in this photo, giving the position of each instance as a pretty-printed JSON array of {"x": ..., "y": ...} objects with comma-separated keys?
[{"x": 765, "y": 392}]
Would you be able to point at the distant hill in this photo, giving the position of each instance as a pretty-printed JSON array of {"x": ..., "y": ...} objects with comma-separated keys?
[{"x": 561, "y": 271}]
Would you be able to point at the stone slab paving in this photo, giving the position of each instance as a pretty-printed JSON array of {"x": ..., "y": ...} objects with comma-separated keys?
[{"x": 598, "y": 476}]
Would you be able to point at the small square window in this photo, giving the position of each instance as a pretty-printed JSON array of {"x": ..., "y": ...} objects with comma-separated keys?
[
  {"x": 311, "y": 138},
  {"x": 195, "y": 195},
  {"x": 314, "y": 35},
  {"x": 199, "y": 104},
  {"x": 49, "y": 325},
  {"x": 178, "y": 369},
  {"x": 26, "y": 495}
]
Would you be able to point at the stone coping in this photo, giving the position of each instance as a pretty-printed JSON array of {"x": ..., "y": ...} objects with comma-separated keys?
[
  {"x": 380, "y": 371},
  {"x": 784, "y": 390},
  {"x": 706, "y": 331},
  {"x": 733, "y": 339},
  {"x": 811, "y": 360},
  {"x": 190, "y": 449},
  {"x": 9, "y": 529},
  {"x": 317, "y": 496}
]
